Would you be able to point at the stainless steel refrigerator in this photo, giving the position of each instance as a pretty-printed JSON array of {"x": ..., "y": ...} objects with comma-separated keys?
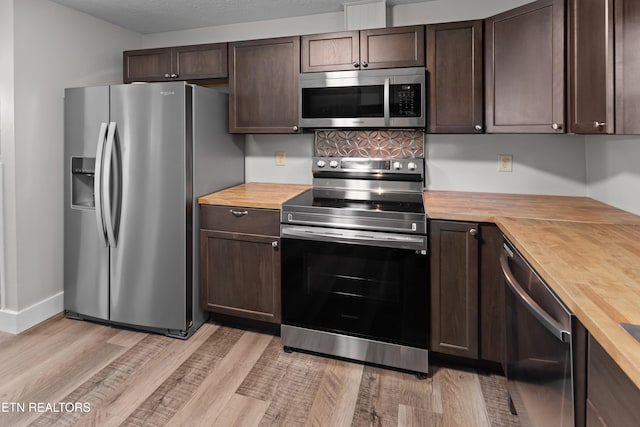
[{"x": 136, "y": 159}]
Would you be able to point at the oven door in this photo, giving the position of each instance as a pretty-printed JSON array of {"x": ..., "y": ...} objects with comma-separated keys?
[
  {"x": 539, "y": 349},
  {"x": 365, "y": 284}
]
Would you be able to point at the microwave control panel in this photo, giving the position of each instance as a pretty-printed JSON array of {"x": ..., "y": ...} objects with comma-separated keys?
[{"x": 405, "y": 100}]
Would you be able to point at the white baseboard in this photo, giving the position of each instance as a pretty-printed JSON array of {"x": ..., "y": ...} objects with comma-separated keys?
[{"x": 15, "y": 322}]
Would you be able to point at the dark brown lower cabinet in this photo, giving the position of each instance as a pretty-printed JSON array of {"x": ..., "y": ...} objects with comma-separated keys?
[
  {"x": 240, "y": 262},
  {"x": 612, "y": 398},
  {"x": 467, "y": 298},
  {"x": 492, "y": 299}
]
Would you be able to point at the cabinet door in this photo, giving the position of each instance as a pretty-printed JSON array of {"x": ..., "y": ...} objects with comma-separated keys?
[
  {"x": 241, "y": 275},
  {"x": 454, "y": 63},
  {"x": 147, "y": 65},
  {"x": 591, "y": 65},
  {"x": 454, "y": 288},
  {"x": 612, "y": 398},
  {"x": 197, "y": 62},
  {"x": 491, "y": 293},
  {"x": 524, "y": 66},
  {"x": 627, "y": 40},
  {"x": 330, "y": 52},
  {"x": 392, "y": 47},
  {"x": 263, "y": 86}
]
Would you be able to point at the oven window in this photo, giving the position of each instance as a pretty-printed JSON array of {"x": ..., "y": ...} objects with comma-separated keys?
[
  {"x": 353, "y": 277},
  {"x": 343, "y": 102},
  {"x": 371, "y": 292}
]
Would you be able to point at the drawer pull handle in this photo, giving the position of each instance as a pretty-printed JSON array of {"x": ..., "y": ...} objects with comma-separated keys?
[{"x": 238, "y": 213}]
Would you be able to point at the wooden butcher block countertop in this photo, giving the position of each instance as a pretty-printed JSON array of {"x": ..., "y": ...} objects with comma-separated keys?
[
  {"x": 595, "y": 270},
  {"x": 254, "y": 195},
  {"x": 485, "y": 207},
  {"x": 588, "y": 252}
]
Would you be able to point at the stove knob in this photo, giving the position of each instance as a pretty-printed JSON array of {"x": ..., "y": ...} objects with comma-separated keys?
[
  {"x": 321, "y": 163},
  {"x": 397, "y": 165},
  {"x": 412, "y": 166},
  {"x": 333, "y": 163}
]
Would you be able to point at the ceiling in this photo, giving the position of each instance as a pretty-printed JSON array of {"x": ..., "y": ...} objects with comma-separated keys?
[{"x": 156, "y": 16}]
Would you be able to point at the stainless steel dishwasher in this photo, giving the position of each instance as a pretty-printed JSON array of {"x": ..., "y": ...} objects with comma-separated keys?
[{"x": 539, "y": 346}]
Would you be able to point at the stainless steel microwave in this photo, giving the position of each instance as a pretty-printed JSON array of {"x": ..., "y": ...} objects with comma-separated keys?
[{"x": 363, "y": 99}]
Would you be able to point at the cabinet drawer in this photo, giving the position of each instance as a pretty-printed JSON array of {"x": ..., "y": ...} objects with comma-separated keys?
[{"x": 240, "y": 220}]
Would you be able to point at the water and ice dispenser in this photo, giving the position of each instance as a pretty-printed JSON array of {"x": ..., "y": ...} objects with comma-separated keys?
[{"x": 82, "y": 178}]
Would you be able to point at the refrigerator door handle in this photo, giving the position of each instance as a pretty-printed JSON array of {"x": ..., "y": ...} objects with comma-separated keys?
[
  {"x": 108, "y": 216},
  {"x": 97, "y": 185}
]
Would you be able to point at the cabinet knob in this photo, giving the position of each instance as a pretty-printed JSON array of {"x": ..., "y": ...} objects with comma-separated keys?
[
  {"x": 365, "y": 64},
  {"x": 166, "y": 76},
  {"x": 274, "y": 244},
  {"x": 478, "y": 127},
  {"x": 597, "y": 124},
  {"x": 473, "y": 232},
  {"x": 238, "y": 213},
  {"x": 174, "y": 76},
  {"x": 295, "y": 128},
  {"x": 356, "y": 64},
  {"x": 556, "y": 126}
]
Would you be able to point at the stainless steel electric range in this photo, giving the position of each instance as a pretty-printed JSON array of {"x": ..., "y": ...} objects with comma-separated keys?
[{"x": 354, "y": 263}]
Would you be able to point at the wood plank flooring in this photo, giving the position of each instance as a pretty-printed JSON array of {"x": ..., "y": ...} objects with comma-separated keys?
[{"x": 94, "y": 375}]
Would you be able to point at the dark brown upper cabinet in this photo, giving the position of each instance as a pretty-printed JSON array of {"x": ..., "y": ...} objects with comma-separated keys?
[
  {"x": 591, "y": 62},
  {"x": 366, "y": 49},
  {"x": 454, "y": 63},
  {"x": 195, "y": 62},
  {"x": 263, "y": 85},
  {"x": 627, "y": 66},
  {"x": 525, "y": 69},
  {"x": 146, "y": 65}
]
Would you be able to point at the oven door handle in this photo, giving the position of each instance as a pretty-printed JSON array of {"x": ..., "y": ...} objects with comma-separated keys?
[
  {"x": 369, "y": 238},
  {"x": 533, "y": 307}
]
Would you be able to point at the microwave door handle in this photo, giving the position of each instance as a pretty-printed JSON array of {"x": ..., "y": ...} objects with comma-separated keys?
[
  {"x": 372, "y": 239},
  {"x": 387, "y": 107},
  {"x": 547, "y": 321}
]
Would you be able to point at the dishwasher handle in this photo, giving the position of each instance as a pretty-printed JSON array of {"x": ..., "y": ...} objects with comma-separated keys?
[{"x": 533, "y": 307}]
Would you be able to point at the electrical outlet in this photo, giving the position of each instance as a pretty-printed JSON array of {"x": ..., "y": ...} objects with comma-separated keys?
[
  {"x": 505, "y": 163},
  {"x": 281, "y": 158}
]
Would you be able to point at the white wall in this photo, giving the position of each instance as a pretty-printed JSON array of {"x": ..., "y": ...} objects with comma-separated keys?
[
  {"x": 431, "y": 12},
  {"x": 312, "y": 24},
  {"x": 7, "y": 235},
  {"x": 54, "y": 47},
  {"x": 260, "y": 158},
  {"x": 542, "y": 164},
  {"x": 546, "y": 164},
  {"x": 613, "y": 170}
]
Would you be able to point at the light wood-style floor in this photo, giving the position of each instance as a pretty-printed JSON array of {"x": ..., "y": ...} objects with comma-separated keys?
[{"x": 221, "y": 376}]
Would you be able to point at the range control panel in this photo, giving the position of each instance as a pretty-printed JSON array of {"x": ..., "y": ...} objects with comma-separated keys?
[{"x": 367, "y": 165}]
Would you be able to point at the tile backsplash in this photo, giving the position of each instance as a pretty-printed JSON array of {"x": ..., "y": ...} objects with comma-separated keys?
[{"x": 384, "y": 144}]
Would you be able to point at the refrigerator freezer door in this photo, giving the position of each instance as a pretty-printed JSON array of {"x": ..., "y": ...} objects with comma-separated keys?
[
  {"x": 149, "y": 205},
  {"x": 86, "y": 256}
]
